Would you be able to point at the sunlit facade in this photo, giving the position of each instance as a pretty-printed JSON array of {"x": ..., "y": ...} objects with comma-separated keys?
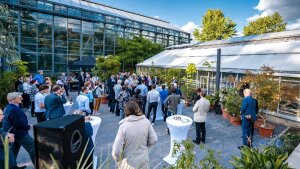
[{"x": 51, "y": 35}]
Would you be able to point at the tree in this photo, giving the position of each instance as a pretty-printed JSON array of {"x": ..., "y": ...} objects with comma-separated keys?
[
  {"x": 106, "y": 66},
  {"x": 215, "y": 25},
  {"x": 267, "y": 24},
  {"x": 136, "y": 50}
]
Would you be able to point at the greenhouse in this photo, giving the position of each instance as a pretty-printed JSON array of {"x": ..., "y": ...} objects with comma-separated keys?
[{"x": 280, "y": 51}]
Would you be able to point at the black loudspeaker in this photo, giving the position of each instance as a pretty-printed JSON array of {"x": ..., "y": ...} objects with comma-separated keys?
[{"x": 62, "y": 138}]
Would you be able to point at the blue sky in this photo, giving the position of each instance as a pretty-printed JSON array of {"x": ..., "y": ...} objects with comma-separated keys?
[{"x": 187, "y": 14}]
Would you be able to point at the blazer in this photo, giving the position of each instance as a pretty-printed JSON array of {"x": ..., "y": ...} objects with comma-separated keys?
[
  {"x": 201, "y": 109},
  {"x": 54, "y": 106},
  {"x": 249, "y": 107}
]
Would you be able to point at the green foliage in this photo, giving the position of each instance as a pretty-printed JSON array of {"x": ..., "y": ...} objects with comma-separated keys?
[
  {"x": 136, "y": 50},
  {"x": 267, "y": 158},
  {"x": 215, "y": 25},
  {"x": 21, "y": 68},
  {"x": 106, "y": 66},
  {"x": 267, "y": 24},
  {"x": 188, "y": 89},
  {"x": 170, "y": 73},
  {"x": 186, "y": 158},
  {"x": 211, "y": 160},
  {"x": 233, "y": 102},
  {"x": 290, "y": 141},
  {"x": 265, "y": 88},
  {"x": 213, "y": 98},
  {"x": 7, "y": 43},
  {"x": 7, "y": 85}
]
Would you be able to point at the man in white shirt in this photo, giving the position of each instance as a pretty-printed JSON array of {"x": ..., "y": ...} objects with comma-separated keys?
[
  {"x": 152, "y": 99},
  {"x": 39, "y": 106},
  {"x": 200, "y": 110},
  {"x": 82, "y": 101}
]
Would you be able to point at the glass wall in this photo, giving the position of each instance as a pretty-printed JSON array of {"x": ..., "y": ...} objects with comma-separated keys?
[
  {"x": 290, "y": 102},
  {"x": 53, "y": 36}
]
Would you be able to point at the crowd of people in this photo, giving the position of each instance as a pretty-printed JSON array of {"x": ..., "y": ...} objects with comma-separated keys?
[{"x": 128, "y": 96}]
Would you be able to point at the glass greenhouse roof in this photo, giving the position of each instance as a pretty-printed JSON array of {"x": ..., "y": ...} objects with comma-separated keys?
[
  {"x": 96, "y": 7},
  {"x": 278, "y": 50}
]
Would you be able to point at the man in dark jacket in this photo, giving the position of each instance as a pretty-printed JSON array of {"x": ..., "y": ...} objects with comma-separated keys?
[
  {"x": 54, "y": 103},
  {"x": 248, "y": 112},
  {"x": 15, "y": 121},
  {"x": 18, "y": 83}
]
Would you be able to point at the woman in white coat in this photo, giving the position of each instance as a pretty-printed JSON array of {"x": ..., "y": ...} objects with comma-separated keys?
[
  {"x": 200, "y": 110},
  {"x": 135, "y": 135}
]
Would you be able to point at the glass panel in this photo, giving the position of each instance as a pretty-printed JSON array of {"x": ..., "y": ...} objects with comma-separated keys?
[
  {"x": 87, "y": 14},
  {"x": 60, "y": 67},
  {"x": 290, "y": 101},
  {"x": 74, "y": 12},
  {"x": 45, "y": 61},
  {"x": 60, "y": 58},
  {"x": 61, "y": 9},
  {"x": 110, "y": 19},
  {"x": 99, "y": 17},
  {"x": 12, "y": 1},
  {"x": 119, "y": 21},
  {"x": 28, "y": 57}
]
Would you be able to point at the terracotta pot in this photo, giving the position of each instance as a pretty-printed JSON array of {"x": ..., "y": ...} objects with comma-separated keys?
[
  {"x": 103, "y": 100},
  {"x": 236, "y": 121},
  {"x": 266, "y": 131},
  {"x": 225, "y": 114},
  {"x": 258, "y": 123}
]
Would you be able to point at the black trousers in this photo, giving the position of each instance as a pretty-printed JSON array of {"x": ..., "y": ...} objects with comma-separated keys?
[
  {"x": 200, "y": 132},
  {"x": 32, "y": 109},
  {"x": 91, "y": 105},
  {"x": 165, "y": 111},
  {"x": 154, "y": 106},
  {"x": 66, "y": 87},
  {"x": 40, "y": 116}
]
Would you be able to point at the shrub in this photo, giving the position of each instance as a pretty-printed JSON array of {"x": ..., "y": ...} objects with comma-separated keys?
[
  {"x": 7, "y": 85},
  {"x": 267, "y": 158}
]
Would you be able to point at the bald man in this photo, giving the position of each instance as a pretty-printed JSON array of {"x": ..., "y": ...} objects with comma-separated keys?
[{"x": 248, "y": 112}]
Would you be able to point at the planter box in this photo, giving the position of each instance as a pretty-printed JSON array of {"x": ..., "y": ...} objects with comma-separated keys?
[
  {"x": 266, "y": 131},
  {"x": 236, "y": 121}
]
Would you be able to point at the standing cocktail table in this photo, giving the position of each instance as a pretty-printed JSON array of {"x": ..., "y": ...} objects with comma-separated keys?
[{"x": 178, "y": 130}]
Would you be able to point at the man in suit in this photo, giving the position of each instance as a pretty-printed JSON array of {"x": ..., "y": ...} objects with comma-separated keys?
[
  {"x": 18, "y": 83},
  {"x": 248, "y": 113},
  {"x": 54, "y": 103},
  {"x": 111, "y": 93}
]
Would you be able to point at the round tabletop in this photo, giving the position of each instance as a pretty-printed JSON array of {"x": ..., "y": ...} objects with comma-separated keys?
[{"x": 179, "y": 121}]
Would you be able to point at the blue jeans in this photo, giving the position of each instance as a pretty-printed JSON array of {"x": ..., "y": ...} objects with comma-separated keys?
[
  {"x": 122, "y": 113},
  {"x": 144, "y": 98},
  {"x": 28, "y": 143}
]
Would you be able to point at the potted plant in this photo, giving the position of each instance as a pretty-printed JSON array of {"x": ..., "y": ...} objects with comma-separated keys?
[
  {"x": 233, "y": 103},
  {"x": 222, "y": 99},
  {"x": 267, "y": 91},
  {"x": 189, "y": 87}
]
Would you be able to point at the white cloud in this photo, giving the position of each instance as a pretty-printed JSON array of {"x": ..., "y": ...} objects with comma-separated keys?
[
  {"x": 293, "y": 26},
  {"x": 288, "y": 9},
  {"x": 239, "y": 34},
  {"x": 157, "y": 17},
  {"x": 189, "y": 27}
]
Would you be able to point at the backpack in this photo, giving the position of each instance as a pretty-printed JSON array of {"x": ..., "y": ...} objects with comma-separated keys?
[
  {"x": 95, "y": 93},
  {"x": 20, "y": 88}
]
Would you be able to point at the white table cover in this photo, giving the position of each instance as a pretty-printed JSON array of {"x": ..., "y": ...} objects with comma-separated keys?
[
  {"x": 178, "y": 131},
  {"x": 67, "y": 107},
  {"x": 95, "y": 122},
  {"x": 159, "y": 112}
]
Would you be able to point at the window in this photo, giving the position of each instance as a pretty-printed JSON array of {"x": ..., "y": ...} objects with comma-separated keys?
[
  {"x": 44, "y": 6},
  {"x": 87, "y": 14},
  {"x": 110, "y": 19},
  {"x": 74, "y": 12},
  {"x": 61, "y": 9}
]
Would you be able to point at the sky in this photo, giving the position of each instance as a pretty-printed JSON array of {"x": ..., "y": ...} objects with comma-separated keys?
[{"x": 187, "y": 14}]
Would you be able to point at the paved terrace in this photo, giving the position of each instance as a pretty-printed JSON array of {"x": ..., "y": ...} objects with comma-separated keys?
[{"x": 221, "y": 136}]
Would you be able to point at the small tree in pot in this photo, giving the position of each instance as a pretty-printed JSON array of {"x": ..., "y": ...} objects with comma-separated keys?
[
  {"x": 188, "y": 88},
  {"x": 233, "y": 104},
  {"x": 267, "y": 91}
]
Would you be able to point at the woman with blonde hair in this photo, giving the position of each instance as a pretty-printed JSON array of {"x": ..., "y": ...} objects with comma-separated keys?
[{"x": 135, "y": 135}]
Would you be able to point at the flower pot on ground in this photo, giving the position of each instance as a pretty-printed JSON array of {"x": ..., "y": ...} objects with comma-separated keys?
[
  {"x": 236, "y": 121},
  {"x": 266, "y": 130},
  {"x": 258, "y": 123},
  {"x": 225, "y": 114}
]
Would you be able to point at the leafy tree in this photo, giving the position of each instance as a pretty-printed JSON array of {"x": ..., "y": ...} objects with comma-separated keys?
[
  {"x": 267, "y": 24},
  {"x": 136, "y": 50},
  {"x": 215, "y": 25},
  {"x": 106, "y": 66}
]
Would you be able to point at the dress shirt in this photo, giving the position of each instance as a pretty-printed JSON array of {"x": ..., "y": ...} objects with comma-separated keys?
[
  {"x": 143, "y": 88},
  {"x": 153, "y": 96},
  {"x": 82, "y": 103}
]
